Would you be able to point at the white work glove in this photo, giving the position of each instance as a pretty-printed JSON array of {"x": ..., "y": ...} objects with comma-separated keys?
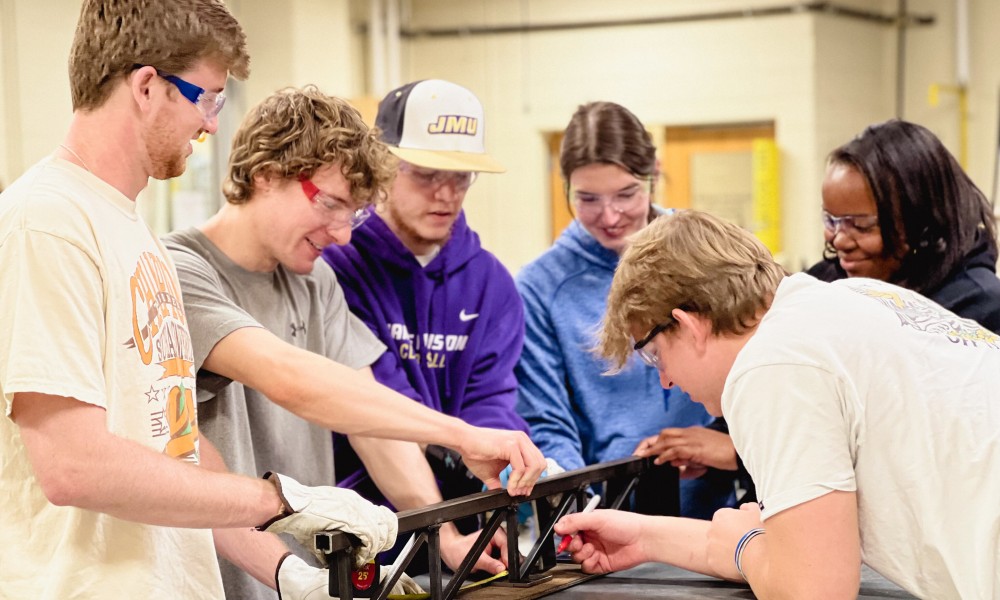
[
  {"x": 299, "y": 581},
  {"x": 325, "y": 508}
]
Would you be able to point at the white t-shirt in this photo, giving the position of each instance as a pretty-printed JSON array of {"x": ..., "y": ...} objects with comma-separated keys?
[
  {"x": 91, "y": 309},
  {"x": 866, "y": 387}
]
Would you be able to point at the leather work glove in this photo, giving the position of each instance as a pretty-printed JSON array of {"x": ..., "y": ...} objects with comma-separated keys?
[
  {"x": 300, "y": 581},
  {"x": 311, "y": 510}
]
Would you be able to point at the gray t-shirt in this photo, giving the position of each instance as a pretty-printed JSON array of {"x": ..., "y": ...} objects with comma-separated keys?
[{"x": 252, "y": 433}]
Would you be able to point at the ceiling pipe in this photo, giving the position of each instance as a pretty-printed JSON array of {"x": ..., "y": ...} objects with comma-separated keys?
[{"x": 830, "y": 8}]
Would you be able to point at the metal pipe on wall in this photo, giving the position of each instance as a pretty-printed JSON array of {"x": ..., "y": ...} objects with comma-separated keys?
[
  {"x": 376, "y": 49},
  {"x": 768, "y": 11},
  {"x": 392, "y": 52},
  {"x": 383, "y": 46},
  {"x": 901, "y": 59},
  {"x": 962, "y": 77}
]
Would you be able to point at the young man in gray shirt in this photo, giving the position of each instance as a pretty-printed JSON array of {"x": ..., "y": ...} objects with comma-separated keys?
[{"x": 280, "y": 360}]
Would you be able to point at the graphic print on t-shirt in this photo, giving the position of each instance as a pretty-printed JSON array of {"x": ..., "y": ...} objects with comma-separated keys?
[
  {"x": 160, "y": 335},
  {"x": 923, "y": 315}
]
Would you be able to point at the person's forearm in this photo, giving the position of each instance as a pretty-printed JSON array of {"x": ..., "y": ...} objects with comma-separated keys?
[
  {"x": 680, "y": 542},
  {"x": 256, "y": 552},
  {"x": 329, "y": 394},
  {"x": 77, "y": 462},
  {"x": 123, "y": 489},
  {"x": 402, "y": 474},
  {"x": 400, "y": 471},
  {"x": 768, "y": 584}
]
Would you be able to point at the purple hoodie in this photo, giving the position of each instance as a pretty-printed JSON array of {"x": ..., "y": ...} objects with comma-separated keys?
[{"x": 454, "y": 329}]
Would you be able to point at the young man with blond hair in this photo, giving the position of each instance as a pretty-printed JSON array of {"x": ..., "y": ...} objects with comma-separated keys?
[
  {"x": 280, "y": 359},
  {"x": 866, "y": 414}
]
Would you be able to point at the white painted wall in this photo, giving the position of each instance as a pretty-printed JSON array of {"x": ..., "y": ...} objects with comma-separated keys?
[
  {"x": 296, "y": 42},
  {"x": 724, "y": 71},
  {"x": 821, "y": 78},
  {"x": 293, "y": 42},
  {"x": 34, "y": 91},
  {"x": 984, "y": 97}
]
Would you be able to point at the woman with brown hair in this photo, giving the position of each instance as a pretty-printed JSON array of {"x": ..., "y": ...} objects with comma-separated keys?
[{"x": 577, "y": 415}]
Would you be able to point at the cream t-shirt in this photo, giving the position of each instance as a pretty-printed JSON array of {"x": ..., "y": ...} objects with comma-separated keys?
[
  {"x": 91, "y": 309},
  {"x": 866, "y": 387}
]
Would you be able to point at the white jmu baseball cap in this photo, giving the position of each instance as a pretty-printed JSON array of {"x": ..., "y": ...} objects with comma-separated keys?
[{"x": 437, "y": 125}]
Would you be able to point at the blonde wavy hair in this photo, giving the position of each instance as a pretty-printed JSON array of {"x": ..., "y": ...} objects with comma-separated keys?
[
  {"x": 294, "y": 132},
  {"x": 112, "y": 36},
  {"x": 693, "y": 261}
]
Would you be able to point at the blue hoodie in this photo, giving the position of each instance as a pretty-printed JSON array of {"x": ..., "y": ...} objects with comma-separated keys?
[
  {"x": 454, "y": 328},
  {"x": 577, "y": 415}
]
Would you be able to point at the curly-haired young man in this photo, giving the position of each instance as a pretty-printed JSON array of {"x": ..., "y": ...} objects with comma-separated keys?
[{"x": 281, "y": 360}]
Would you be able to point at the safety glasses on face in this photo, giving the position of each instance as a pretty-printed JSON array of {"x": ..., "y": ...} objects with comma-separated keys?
[
  {"x": 432, "y": 179},
  {"x": 649, "y": 356},
  {"x": 209, "y": 103},
  {"x": 335, "y": 211},
  {"x": 849, "y": 224},
  {"x": 624, "y": 200}
]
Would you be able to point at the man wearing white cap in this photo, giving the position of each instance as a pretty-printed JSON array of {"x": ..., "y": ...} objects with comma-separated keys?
[{"x": 446, "y": 308}]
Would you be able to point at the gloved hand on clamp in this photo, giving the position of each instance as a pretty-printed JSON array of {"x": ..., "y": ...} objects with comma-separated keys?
[{"x": 311, "y": 510}]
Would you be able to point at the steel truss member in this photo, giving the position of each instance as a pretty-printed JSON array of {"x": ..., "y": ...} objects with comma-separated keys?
[{"x": 630, "y": 484}]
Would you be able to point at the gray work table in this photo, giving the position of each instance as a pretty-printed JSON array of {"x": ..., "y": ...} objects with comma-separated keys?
[
  {"x": 662, "y": 581},
  {"x": 649, "y": 581}
]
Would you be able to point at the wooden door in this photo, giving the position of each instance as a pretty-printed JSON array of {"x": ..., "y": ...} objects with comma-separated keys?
[{"x": 731, "y": 171}]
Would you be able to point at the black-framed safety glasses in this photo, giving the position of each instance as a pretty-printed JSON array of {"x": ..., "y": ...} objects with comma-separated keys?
[{"x": 647, "y": 356}]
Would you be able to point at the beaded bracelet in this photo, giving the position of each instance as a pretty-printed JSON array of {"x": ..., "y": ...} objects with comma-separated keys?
[{"x": 741, "y": 546}]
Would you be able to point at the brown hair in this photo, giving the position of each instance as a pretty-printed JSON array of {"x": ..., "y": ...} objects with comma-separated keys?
[
  {"x": 112, "y": 36},
  {"x": 605, "y": 132},
  {"x": 693, "y": 261},
  {"x": 294, "y": 132}
]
